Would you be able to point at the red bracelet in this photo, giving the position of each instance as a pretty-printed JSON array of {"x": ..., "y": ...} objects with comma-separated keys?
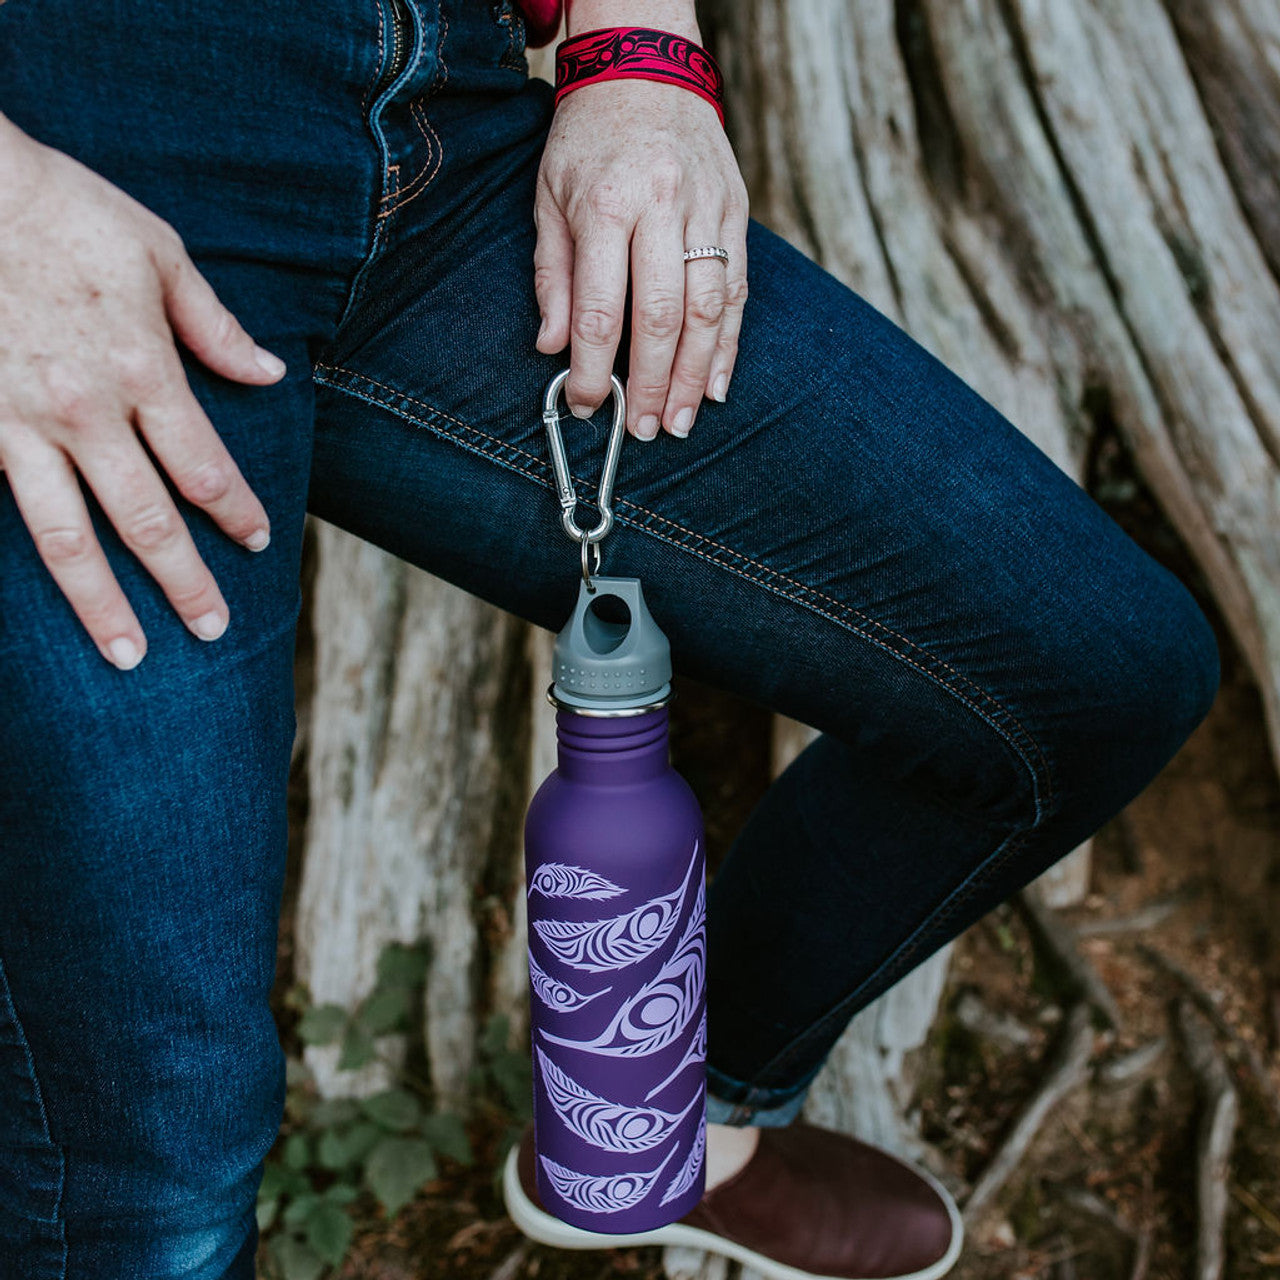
[{"x": 610, "y": 53}]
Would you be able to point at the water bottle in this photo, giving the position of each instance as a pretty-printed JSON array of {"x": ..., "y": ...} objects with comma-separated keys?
[{"x": 615, "y": 881}]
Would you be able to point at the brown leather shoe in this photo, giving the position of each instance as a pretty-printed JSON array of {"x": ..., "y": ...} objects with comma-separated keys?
[{"x": 809, "y": 1204}]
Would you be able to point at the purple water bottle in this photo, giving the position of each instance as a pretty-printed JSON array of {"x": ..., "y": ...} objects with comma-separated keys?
[{"x": 615, "y": 868}]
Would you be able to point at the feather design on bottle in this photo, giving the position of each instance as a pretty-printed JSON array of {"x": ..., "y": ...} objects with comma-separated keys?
[
  {"x": 608, "y": 1125},
  {"x": 695, "y": 1054},
  {"x": 602, "y": 1193},
  {"x": 614, "y": 943},
  {"x": 661, "y": 1009},
  {"x": 689, "y": 1170},
  {"x": 560, "y": 880},
  {"x": 556, "y": 994}
]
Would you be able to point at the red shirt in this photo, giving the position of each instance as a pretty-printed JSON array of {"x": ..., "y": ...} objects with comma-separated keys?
[{"x": 541, "y": 20}]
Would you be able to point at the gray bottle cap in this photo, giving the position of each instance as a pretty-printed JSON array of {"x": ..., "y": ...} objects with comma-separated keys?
[{"x": 611, "y": 662}]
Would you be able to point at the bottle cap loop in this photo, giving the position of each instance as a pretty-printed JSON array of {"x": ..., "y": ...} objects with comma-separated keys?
[{"x": 604, "y": 665}]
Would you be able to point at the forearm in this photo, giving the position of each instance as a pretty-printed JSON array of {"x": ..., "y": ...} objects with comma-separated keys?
[{"x": 664, "y": 15}]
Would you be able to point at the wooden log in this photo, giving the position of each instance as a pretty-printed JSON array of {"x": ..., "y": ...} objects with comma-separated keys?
[
  {"x": 418, "y": 684},
  {"x": 1215, "y": 1137}
]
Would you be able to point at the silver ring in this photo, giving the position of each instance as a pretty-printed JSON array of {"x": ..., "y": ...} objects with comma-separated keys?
[{"x": 707, "y": 251}]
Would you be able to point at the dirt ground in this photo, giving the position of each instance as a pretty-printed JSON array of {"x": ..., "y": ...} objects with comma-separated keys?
[{"x": 1107, "y": 1189}]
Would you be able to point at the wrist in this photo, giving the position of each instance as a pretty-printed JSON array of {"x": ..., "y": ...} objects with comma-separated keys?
[
  {"x": 678, "y": 16},
  {"x": 647, "y": 53}
]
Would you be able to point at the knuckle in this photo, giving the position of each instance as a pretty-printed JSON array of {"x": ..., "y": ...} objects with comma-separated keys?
[
  {"x": 140, "y": 372},
  {"x": 62, "y": 544},
  {"x": 660, "y": 317},
  {"x": 645, "y": 391},
  {"x": 706, "y": 308},
  {"x": 596, "y": 324},
  {"x": 207, "y": 483},
  {"x": 606, "y": 202},
  {"x": 99, "y": 613},
  {"x": 736, "y": 292},
  {"x": 68, "y": 397},
  {"x": 168, "y": 253},
  {"x": 151, "y": 527},
  {"x": 584, "y": 391},
  {"x": 665, "y": 177},
  {"x": 193, "y": 599},
  {"x": 169, "y": 239},
  {"x": 225, "y": 331}
]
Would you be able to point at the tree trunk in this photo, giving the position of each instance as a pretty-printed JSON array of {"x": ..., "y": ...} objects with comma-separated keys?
[{"x": 416, "y": 768}]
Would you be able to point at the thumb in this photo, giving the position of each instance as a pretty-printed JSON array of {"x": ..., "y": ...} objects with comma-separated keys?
[
  {"x": 552, "y": 273},
  {"x": 211, "y": 333}
]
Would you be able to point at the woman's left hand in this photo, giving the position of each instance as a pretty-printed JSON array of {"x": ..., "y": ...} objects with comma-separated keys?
[{"x": 634, "y": 172}]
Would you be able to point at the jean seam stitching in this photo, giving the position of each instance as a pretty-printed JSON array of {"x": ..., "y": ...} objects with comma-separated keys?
[
  {"x": 430, "y": 168},
  {"x": 393, "y": 201},
  {"x": 331, "y": 375}
]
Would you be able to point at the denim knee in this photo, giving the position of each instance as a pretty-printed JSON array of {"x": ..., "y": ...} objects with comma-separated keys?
[{"x": 1128, "y": 697}]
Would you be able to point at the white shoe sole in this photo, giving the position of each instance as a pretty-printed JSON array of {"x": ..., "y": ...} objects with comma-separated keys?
[{"x": 539, "y": 1225}]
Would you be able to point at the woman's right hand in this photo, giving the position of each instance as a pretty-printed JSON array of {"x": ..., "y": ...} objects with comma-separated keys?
[{"x": 94, "y": 289}]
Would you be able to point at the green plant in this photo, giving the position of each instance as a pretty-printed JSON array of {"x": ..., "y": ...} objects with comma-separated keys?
[
  {"x": 334, "y": 1154},
  {"x": 503, "y": 1076}
]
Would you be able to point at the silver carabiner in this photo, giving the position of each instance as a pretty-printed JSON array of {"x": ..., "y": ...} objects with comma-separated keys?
[{"x": 560, "y": 463}]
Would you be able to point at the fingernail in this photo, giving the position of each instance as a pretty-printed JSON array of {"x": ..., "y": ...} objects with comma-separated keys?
[
  {"x": 722, "y": 385},
  {"x": 257, "y": 540},
  {"x": 124, "y": 653},
  {"x": 581, "y": 410},
  {"x": 209, "y": 626},
  {"x": 647, "y": 427},
  {"x": 269, "y": 363},
  {"x": 684, "y": 420}
]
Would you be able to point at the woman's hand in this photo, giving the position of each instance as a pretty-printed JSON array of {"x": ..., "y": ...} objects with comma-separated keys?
[
  {"x": 634, "y": 172},
  {"x": 93, "y": 290}
]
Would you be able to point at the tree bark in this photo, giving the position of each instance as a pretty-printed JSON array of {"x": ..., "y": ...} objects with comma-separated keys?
[{"x": 419, "y": 725}]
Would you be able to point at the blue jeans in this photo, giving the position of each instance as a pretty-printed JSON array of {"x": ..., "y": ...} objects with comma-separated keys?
[{"x": 855, "y": 539}]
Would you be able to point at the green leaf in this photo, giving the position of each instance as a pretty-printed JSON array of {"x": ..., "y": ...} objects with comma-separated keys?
[
  {"x": 329, "y": 1232},
  {"x": 357, "y": 1049},
  {"x": 297, "y": 1261},
  {"x": 402, "y": 966},
  {"x": 395, "y": 1110},
  {"x": 513, "y": 1074},
  {"x": 397, "y": 1167},
  {"x": 494, "y": 1038},
  {"x": 299, "y": 1210},
  {"x": 334, "y": 1111},
  {"x": 386, "y": 1009},
  {"x": 274, "y": 1180},
  {"x": 446, "y": 1133},
  {"x": 297, "y": 1151},
  {"x": 322, "y": 1024},
  {"x": 331, "y": 1151},
  {"x": 360, "y": 1139},
  {"x": 341, "y": 1193},
  {"x": 267, "y": 1210}
]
